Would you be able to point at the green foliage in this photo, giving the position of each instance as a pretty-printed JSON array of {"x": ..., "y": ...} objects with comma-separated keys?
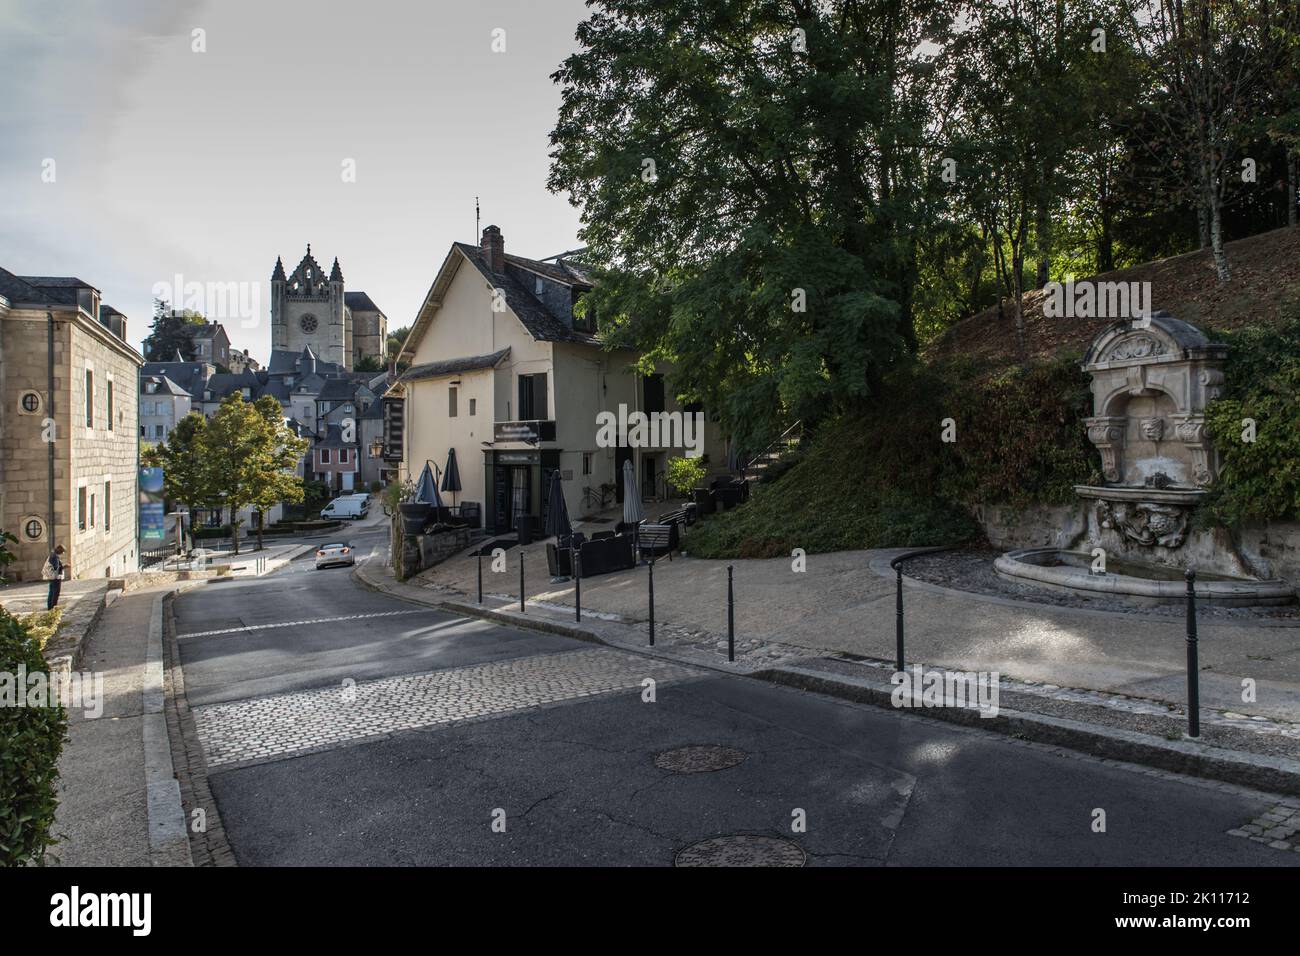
[
  {"x": 1020, "y": 436},
  {"x": 1259, "y": 480},
  {"x": 885, "y": 478},
  {"x": 42, "y": 625},
  {"x": 369, "y": 363},
  {"x": 169, "y": 333},
  {"x": 186, "y": 460},
  {"x": 685, "y": 473},
  {"x": 31, "y": 740}
]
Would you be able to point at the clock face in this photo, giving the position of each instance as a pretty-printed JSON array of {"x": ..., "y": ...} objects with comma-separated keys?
[{"x": 308, "y": 323}]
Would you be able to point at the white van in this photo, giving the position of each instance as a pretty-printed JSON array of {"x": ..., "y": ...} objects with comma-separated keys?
[{"x": 347, "y": 506}]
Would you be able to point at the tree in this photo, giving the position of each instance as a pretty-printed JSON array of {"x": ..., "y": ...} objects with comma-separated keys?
[
  {"x": 169, "y": 333},
  {"x": 752, "y": 177},
  {"x": 258, "y": 457},
  {"x": 369, "y": 363},
  {"x": 186, "y": 459}
]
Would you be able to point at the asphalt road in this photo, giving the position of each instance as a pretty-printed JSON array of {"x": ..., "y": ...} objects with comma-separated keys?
[{"x": 342, "y": 726}]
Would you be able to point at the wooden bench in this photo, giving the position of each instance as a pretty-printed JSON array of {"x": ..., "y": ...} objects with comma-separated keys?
[{"x": 656, "y": 539}]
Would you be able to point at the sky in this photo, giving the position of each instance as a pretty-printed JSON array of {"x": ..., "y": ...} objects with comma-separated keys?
[{"x": 129, "y": 158}]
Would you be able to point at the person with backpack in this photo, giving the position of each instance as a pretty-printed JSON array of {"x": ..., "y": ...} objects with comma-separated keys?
[{"x": 53, "y": 572}]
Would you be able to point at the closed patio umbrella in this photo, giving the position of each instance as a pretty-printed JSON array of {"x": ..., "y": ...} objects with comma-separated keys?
[
  {"x": 557, "y": 512},
  {"x": 451, "y": 475},
  {"x": 631, "y": 502},
  {"x": 426, "y": 489}
]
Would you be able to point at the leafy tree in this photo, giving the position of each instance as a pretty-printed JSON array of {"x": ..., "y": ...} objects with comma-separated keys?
[
  {"x": 169, "y": 333},
  {"x": 369, "y": 363},
  {"x": 187, "y": 459},
  {"x": 753, "y": 176},
  {"x": 258, "y": 457}
]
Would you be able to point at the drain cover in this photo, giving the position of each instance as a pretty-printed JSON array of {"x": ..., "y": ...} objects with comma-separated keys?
[
  {"x": 742, "y": 849},
  {"x": 699, "y": 758}
]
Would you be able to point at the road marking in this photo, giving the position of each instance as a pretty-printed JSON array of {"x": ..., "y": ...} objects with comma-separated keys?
[
  {"x": 317, "y": 620},
  {"x": 282, "y": 725}
]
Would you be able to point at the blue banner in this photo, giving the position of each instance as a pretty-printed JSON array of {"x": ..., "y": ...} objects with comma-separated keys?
[{"x": 153, "y": 517}]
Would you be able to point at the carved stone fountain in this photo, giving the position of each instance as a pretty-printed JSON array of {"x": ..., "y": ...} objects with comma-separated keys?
[{"x": 1151, "y": 381}]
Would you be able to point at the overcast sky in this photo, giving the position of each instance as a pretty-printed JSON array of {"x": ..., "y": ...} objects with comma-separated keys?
[{"x": 209, "y": 165}]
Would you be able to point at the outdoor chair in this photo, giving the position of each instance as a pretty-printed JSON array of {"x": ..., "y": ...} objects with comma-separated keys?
[{"x": 658, "y": 539}]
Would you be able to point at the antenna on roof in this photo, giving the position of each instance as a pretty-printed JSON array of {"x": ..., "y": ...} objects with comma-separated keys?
[{"x": 476, "y": 233}]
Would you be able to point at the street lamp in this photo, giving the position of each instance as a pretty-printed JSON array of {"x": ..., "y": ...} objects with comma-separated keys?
[{"x": 377, "y": 448}]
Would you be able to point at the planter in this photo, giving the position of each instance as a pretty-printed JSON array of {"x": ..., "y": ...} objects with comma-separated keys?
[{"x": 414, "y": 515}]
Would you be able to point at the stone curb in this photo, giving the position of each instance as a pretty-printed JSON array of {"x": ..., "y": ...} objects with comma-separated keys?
[
  {"x": 65, "y": 648},
  {"x": 1257, "y": 771},
  {"x": 169, "y": 843}
]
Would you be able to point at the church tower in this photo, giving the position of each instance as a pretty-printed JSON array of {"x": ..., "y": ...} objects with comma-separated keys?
[{"x": 307, "y": 310}]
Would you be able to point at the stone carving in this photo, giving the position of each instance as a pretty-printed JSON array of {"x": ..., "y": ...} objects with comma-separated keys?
[
  {"x": 1136, "y": 347},
  {"x": 1145, "y": 522},
  {"x": 1153, "y": 429},
  {"x": 1108, "y": 435}
]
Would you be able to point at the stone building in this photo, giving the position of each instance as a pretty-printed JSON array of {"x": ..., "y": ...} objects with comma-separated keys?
[
  {"x": 163, "y": 403},
  {"x": 91, "y": 415},
  {"x": 312, "y": 309}
]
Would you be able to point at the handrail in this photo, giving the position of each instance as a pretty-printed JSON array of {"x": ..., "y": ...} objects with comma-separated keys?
[{"x": 771, "y": 445}]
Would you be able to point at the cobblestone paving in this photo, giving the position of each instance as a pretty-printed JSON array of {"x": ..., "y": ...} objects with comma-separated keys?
[
  {"x": 1278, "y": 828},
  {"x": 267, "y": 728}
]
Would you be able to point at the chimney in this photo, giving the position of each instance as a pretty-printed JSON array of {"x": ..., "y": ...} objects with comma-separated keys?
[{"x": 494, "y": 249}]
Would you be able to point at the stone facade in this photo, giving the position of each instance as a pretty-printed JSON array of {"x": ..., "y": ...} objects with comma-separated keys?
[
  {"x": 310, "y": 309},
  {"x": 95, "y": 464}
]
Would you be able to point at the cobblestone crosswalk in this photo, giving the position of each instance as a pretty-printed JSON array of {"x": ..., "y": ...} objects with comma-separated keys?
[{"x": 281, "y": 725}]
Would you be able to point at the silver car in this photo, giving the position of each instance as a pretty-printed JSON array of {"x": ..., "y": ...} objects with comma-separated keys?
[{"x": 340, "y": 552}]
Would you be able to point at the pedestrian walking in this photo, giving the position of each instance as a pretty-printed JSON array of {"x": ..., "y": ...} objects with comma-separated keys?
[{"x": 53, "y": 572}]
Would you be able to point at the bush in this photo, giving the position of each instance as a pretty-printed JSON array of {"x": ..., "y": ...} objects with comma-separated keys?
[
  {"x": 1259, "y": 480},
  {"x": 685, "y": 473},
  {"x": 31, "y": 740}
]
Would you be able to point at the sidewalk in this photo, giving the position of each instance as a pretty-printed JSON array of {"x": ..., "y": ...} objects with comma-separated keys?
[{"x": 1104, "y": 683}]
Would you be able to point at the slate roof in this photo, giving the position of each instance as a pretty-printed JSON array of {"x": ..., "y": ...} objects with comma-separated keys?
[
  {"x": 360, "y": 302},
  {"x": 334, "y": 438},
  {"x": 451, "y": 366},
  {"x": 165, "y": 386},
  {"x": 31, "y": 290},
  {"x": 188, "y": 375},
  {"x": 337, "y": 390},
  {"x": 541, "y": 324}
]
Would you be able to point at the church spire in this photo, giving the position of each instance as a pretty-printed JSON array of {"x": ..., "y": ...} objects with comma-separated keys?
[
  {"x": 278, "y": 274},
  {"x": 336, "y": 274}
]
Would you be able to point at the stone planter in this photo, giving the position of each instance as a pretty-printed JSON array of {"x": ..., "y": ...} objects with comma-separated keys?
[{"x": 414, "y": 515}]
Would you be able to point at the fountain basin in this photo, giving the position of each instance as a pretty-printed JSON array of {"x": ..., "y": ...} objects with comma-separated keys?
[{"x": 1136, "y": 582}]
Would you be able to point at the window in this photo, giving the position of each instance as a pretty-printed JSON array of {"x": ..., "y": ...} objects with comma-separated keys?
[
  {"x": 92, "y": 511},
  {"x": 586, "y": 322},
  {"x": 109, "y": 400},
  {"x": 532, "y": 397},
  {"x": 143, "y": 430},
  {"x": 34, "y": 529},
  {"x": 31, "y": 402},
  {"x": 157, "y": 431},
  {"x": 654, "y": 394},
  {"x": 90, "y": 399},
  {"x": 108, "y": 506},
  {"x": 81, "y": 509},
  {"x": 324, "y": 456},
  {"x": 586, "y": 463},
  {"x": 451, "y": 401},
  {"x": 473, "y": 406}
]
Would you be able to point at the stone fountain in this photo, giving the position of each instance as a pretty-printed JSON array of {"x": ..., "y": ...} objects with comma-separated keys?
[{"x": 1151, "y": 381}]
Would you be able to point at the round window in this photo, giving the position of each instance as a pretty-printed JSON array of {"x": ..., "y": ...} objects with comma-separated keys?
[
  {"x": 308, "y": 323},
  {"x": 31, "y": 401},
  {"x": 33, "y": 529}
]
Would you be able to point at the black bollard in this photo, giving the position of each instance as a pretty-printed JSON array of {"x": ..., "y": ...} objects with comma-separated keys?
[
  {"x": 522, "y": 609},
  {"x": 731, "y": 618},
  {"x": 577, "y": 585},
  {"x": 480, "y": 577},
  {"x": 652, "y": 602},
  {"x": 898, "y": 624},
  {"x": 1193, "y": 670}
]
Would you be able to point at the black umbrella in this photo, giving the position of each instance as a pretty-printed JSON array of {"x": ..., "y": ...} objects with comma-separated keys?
[
  {"x": 557, "y": 513},
  {"x": 451, "y": 475}
]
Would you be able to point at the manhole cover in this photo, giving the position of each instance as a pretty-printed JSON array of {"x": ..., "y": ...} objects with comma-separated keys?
[
  {"x": 699, "y": 758},
  {"x": 742, "y": 849}
]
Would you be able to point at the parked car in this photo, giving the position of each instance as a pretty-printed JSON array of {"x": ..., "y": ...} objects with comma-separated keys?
[
  {"x": 347, "y": 506},
  {"x": 337, "y": 553}
]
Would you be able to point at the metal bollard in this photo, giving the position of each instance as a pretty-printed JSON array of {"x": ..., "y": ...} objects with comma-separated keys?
[
  {"x": 1193, "y": 669},
  {"x": 522, "y": 609},
  {"x": 898, "y": 625},
  {"x": 577, "y": 585},
  {"x": 731, "y": 618},
  {"x": 480, "y": 577},
  {"x": 652, "y": 603}
]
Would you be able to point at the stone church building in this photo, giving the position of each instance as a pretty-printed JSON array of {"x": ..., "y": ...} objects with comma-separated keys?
[{"x": 312, "y": 309}]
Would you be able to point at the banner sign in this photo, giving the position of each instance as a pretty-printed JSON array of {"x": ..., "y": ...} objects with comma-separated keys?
[{"x": 153, "y": 522}]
